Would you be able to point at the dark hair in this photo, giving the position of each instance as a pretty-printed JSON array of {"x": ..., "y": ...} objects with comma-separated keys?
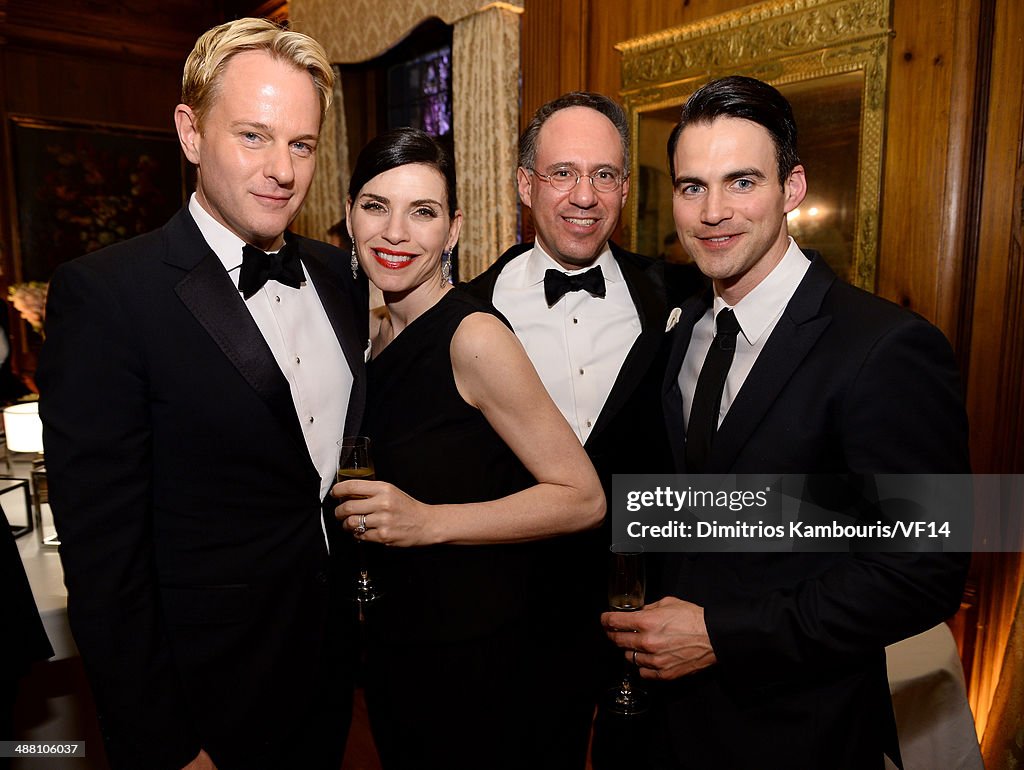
[
  {"x": 742, "y": 97},
  {"x": 598, "y": 102},
  {"x": 400, "y": 147}
]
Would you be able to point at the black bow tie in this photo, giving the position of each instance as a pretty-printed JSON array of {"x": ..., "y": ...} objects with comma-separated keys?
[
  {"x": 258, "y": 267},
  {"x": 557, "y": 283}
]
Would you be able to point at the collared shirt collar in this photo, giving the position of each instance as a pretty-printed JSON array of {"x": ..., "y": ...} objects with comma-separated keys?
[
  {"x": 225, "y": 244},
  {"x": 759, "y": 309},
  {"x": 538, "y": 262}
]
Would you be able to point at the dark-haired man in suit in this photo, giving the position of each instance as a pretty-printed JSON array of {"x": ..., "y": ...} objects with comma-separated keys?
[
  {"x": 194, "y": 384},
  {"x": 592, "y": 319},
  {"x": 777, "y": 660}
]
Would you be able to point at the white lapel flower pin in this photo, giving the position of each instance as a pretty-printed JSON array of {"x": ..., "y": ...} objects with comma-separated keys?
[{"x": 673, "y": 318}]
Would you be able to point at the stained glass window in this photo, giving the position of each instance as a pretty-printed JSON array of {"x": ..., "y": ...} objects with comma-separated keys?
[{"x": 420, "y": 93}]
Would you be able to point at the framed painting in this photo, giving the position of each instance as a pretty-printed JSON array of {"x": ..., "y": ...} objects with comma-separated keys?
[
  {"x": 79, "y": 187},
  {"x": 830, "y": 59}
]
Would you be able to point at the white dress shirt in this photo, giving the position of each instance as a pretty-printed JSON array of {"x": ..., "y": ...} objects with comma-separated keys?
[
  {"x": 757, "y": 313},
  {"x": 299, "y": 334},
  {"x": 579, "y": 344}
]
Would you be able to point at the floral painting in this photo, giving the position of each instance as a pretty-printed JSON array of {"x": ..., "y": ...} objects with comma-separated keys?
[{"x": 81, "y": 187}]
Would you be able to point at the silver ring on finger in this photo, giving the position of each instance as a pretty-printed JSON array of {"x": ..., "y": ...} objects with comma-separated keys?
[
  {"x": 361, "y": 527},
  {"x": 634, "y": 659}
]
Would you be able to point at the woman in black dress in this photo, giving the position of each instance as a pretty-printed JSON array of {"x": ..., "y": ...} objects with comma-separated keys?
[{"x": 474, "y": 465}]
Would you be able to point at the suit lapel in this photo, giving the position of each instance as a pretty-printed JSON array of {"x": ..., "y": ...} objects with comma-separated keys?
[
  {"x": 211, "y": 297},
  {"x": 796, "y": 333},
  {"x": 646, "y": 287},
  {"x": 343, "y": 321},
  {"x": 671, "y": 395}
]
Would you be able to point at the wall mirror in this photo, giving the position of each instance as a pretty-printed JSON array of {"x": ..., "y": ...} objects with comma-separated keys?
[{"x": 830, "y": 59}]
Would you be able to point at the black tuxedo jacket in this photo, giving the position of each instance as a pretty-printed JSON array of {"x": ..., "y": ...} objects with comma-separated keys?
[
  {"x": 847, "y": 382},
  {"x": 188, "y": 508}
]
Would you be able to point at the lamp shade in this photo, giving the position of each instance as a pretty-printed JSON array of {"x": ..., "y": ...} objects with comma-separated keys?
[{"x": 23, "y": 427}]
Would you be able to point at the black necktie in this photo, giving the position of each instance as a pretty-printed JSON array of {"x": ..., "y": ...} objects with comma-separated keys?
[
  {"x": 707, "y": 398},
  {"x": 258, "y": 267},
  {"x": 557, "y": 283}
]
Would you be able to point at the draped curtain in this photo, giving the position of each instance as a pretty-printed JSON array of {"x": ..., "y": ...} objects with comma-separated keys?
[
  {"x": 325, "y": 203},
  {"x": 485, "y": 103},
  {"x": 486, "y": 151}
]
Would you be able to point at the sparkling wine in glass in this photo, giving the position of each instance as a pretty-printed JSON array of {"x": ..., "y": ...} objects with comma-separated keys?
[
  {"x": 627, "y": 584},
  {"x": 355, "y": 462}
]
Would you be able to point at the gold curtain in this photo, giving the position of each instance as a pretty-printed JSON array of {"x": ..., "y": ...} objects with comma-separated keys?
[
  {"x": 485, "y": 58},
  {"x": 325, "y": 203},
  {"x": 357, "y": 30},
  {"x": 485, "y": 63}
]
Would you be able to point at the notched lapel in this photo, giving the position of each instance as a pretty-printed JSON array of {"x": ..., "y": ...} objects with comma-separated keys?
[
  {"x": 671, "y": 395},
  {"x": 796, "y": 333},
  {"x": 216, "y": 304},
  {"x": 681, "y": 334}
]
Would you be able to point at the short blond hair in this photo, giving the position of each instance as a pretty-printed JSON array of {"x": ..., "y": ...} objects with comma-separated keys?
[{"x": 204, "y": 68}]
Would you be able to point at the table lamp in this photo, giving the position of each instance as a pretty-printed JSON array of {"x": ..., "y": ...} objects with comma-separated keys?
[{"x": 23, "y": 427}]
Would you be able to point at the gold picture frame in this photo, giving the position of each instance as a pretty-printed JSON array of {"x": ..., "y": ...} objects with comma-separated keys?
[{"x": 830, "y": 58}]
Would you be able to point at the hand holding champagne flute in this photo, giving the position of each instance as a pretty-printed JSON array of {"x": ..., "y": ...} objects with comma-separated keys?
[
  {"x": 627, "y": 584},
  {"x": 355, "y": 463}
]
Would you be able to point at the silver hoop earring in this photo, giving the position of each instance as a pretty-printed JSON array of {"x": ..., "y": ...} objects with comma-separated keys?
[
  {"x": 354, "y": 263},
  {"x": 446, "y": 267}
]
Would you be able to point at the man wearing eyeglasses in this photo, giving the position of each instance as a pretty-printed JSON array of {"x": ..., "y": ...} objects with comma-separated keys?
[{"x": 592, "y": 318}]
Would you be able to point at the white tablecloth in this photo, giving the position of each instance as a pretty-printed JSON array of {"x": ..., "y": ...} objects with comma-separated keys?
[{"x": 933, "y": 719}]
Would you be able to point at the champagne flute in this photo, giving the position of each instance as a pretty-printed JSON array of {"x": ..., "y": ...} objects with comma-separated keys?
[
  {"x": 626, "y": 587},
  {"x": 355, "y": 463}
]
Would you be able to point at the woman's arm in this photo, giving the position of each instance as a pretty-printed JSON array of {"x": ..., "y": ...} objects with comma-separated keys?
[{"x": 493, "y": 374}]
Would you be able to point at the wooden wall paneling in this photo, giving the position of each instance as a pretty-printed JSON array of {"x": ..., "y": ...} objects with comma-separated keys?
[
  {"x": 122, "y": 29},
  {"x": 575, "y": 37},
  {"x": 1003, "y": 720},
  {"x": 995, "y": 396},
  {"x": 994, "y": 391},
  {"x": 275, "y": 10},
  {"x": 551, "y": 46},
  {"x": 611, "y": 23},
  {"x": 999, "y": 582},
  {"x": 916, "y": 173},
  {"x": 71, "y": 86},
  {"x": 958, "y": 228}
]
